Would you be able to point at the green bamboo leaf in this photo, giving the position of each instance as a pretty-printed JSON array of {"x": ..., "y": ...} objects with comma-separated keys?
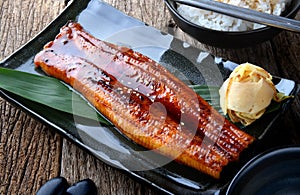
[
  {"x": 47, "y": 91},
  {"x": 209, "y": 94}
]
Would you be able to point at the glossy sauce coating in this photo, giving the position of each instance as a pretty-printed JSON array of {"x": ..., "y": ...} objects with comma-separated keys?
[{"x": 146, "y": 102}]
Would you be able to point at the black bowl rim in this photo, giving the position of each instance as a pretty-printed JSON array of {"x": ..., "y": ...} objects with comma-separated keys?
[
  {"x": 287, "y": 14},
  {"x": 255, "y": 161}
]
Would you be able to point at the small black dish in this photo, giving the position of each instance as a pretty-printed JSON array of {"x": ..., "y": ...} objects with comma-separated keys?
[
  {"x": 228, "y": 39},
  {"x": 276, "y": 171}
]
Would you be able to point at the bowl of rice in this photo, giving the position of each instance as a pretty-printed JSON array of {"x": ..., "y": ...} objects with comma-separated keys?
[{"x": 228, "y": 32}]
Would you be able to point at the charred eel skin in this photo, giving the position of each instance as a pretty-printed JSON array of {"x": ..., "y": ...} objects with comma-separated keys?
[{"x": 145, "y": 101}]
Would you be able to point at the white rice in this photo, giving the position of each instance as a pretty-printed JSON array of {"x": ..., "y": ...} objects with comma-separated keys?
[{"x": 221, "y": 22}]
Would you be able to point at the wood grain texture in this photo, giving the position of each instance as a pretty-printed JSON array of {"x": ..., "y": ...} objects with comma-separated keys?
[{"x": 31, "y": 153}]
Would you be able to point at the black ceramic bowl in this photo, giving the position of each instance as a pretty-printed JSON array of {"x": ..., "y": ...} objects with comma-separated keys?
[
  {"x": 228, "y": 39},
  {"x": 273, "y": 172}
]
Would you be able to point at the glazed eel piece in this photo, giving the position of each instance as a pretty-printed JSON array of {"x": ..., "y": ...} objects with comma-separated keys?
[
  {"x": 143, "y": 73},
  {"x": 145, "y": 101}
]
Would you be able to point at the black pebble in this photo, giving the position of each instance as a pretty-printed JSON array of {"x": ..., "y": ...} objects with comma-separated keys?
[
  {"x": 83, "y": 187},
  {"x": 55, "y": 186}
]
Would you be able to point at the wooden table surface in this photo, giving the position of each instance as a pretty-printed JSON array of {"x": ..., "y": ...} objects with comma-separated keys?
[{"x": 31, "y": 153}]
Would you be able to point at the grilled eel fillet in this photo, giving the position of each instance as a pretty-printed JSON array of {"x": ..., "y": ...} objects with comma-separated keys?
[{"x": 143, "y": 100}]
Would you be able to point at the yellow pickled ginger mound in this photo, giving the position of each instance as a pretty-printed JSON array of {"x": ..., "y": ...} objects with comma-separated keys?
[{"x": 246, "y": 94}]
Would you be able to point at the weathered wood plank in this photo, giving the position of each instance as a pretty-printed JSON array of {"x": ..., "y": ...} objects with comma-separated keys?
[{"x": 29, "y": 152}]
